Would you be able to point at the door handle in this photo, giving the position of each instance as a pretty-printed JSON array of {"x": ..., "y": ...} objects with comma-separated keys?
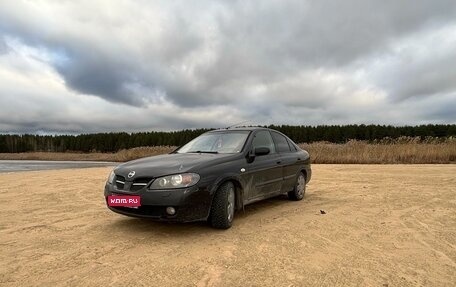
[{"x": 279, "y": 162}]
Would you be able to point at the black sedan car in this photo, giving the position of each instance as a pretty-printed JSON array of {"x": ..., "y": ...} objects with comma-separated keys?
[{"x": 210, "y": 177}]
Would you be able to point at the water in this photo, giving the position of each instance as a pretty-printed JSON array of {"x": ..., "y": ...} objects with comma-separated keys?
[{"x": 27, "y": 165}]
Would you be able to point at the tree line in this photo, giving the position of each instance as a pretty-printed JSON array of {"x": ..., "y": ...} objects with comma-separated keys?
[{"x": 112, "y": 142}]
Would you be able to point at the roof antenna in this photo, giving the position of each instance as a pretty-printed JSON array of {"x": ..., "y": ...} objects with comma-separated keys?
[{"x": 235, "y": 125}]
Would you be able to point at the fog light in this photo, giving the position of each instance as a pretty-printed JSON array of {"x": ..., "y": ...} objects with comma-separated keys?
[{"x": 170, "y": 210}]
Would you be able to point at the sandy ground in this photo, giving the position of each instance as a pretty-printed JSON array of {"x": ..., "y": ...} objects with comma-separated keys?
[{"x": 385, "y": 225}]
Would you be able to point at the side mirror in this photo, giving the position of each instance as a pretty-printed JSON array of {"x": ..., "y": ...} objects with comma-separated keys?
[
  {"x": 258, "y": 151},
  {"x": 262, "y": 151}
]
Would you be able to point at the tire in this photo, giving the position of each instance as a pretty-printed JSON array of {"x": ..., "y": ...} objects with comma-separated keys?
[
  {"x": 223, "y": 206},
  {"x": 299, "y": 190}
]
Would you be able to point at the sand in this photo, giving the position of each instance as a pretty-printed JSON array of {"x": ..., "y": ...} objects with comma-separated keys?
[{"x": 385, "y": 225}]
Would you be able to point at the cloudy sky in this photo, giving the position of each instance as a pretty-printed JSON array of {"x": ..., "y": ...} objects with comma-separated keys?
[{"x": 95, "y": 66}]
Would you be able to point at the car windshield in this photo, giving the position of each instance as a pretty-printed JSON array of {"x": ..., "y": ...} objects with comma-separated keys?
[{"x": 216, "y": 142}]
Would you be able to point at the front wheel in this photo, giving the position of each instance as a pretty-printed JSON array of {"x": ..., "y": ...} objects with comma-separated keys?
[
  {"x": 300, "y": 188},
  {"x": 222, "y": 210}
]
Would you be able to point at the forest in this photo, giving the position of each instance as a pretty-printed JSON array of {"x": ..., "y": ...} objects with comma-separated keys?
[{"x": 113, "y": 142}]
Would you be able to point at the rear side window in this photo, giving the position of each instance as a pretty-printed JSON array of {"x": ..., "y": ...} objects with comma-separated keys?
[
  {"x": 263, "y": 139},
  {"x": 281, "y": 142},
  {"x": 292, "y": 146}
]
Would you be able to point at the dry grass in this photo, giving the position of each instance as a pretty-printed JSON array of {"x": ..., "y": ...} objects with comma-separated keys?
[
  {"x": 359, "y": 152},
  {"x": 120, "y": 156},
  {"x": 387, "y": 151}
]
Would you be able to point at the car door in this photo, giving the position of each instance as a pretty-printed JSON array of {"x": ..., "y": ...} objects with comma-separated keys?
[
  {"x": 264, "y": 173},
  {"x": 289, "y": 161}
]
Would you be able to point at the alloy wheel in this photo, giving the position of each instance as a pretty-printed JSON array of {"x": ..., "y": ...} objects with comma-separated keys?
[{"x": 230, "y": 204}]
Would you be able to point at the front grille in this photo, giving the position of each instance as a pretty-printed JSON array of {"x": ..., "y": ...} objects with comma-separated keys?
[
  {"x": 140, "y": 183},
  {"x": 120, "y": 182},
  {"x": 137, "y": 184}
]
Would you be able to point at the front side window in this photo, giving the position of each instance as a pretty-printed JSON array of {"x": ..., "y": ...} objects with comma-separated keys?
[
  {"x": 263, "y": 139},
  {"x": 216, "y": 142}
]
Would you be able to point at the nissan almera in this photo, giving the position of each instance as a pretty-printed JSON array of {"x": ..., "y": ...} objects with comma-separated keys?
[{"x": 210, "y": 177}]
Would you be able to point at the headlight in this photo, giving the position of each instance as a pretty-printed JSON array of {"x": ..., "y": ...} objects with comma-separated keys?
[
  {"x": 175, "y": 181},
  {"x": 111, "y": 177}
]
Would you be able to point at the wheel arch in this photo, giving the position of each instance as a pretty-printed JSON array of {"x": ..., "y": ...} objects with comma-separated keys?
[
  {"x": 307, "y": 172},
  {"x": 304, "y": 171},
  {"x": 238, "y": 189}
]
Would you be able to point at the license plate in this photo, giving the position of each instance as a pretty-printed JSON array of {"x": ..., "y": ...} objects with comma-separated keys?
[{"x": 133, "y": 201}]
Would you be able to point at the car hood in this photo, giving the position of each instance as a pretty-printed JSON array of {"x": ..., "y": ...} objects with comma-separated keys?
[{"x": 166, "y": 164}]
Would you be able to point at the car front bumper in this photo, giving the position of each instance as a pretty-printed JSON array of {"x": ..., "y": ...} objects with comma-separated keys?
[{"x": 190, "y": 204}]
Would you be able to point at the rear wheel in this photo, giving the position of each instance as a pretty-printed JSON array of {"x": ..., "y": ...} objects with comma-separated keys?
[
  {"x": 300, "y": 188},
  {"x": 223, "y": 205}
]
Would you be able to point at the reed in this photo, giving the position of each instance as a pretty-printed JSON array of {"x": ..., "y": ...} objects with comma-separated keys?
[
  {"x": 386, "y": 151},
  {"x": 359, "y": 152}
]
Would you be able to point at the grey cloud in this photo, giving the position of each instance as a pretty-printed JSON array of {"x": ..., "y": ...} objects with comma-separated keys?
[
  {"x": 418, "y": 66},
  {"x": 264, "y": 43},
  {"x": 101, "y": 77},
  {"x": 422, "y": 78},
  {"x": 321, "y": 33},
  {"x": 3, "y": 46},
  {"x": 247, "y": 57},
  {"x": 261, "y": 41},
  {"x": 439, "y": 108},
  {"x": 444, "y": 114}
]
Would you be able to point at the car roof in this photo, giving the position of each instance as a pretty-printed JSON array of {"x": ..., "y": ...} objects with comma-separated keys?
[
  {"x": 241, "y": 129},
  {"x": 250, "y": 129}
]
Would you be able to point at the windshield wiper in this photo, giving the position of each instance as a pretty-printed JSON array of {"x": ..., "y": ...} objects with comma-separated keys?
[{"x": 202, "y": 151}]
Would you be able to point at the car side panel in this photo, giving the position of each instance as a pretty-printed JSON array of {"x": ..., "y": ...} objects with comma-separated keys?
[
  {"x": 263, "y": 176},
  {"x": 293, "y": 163}
]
